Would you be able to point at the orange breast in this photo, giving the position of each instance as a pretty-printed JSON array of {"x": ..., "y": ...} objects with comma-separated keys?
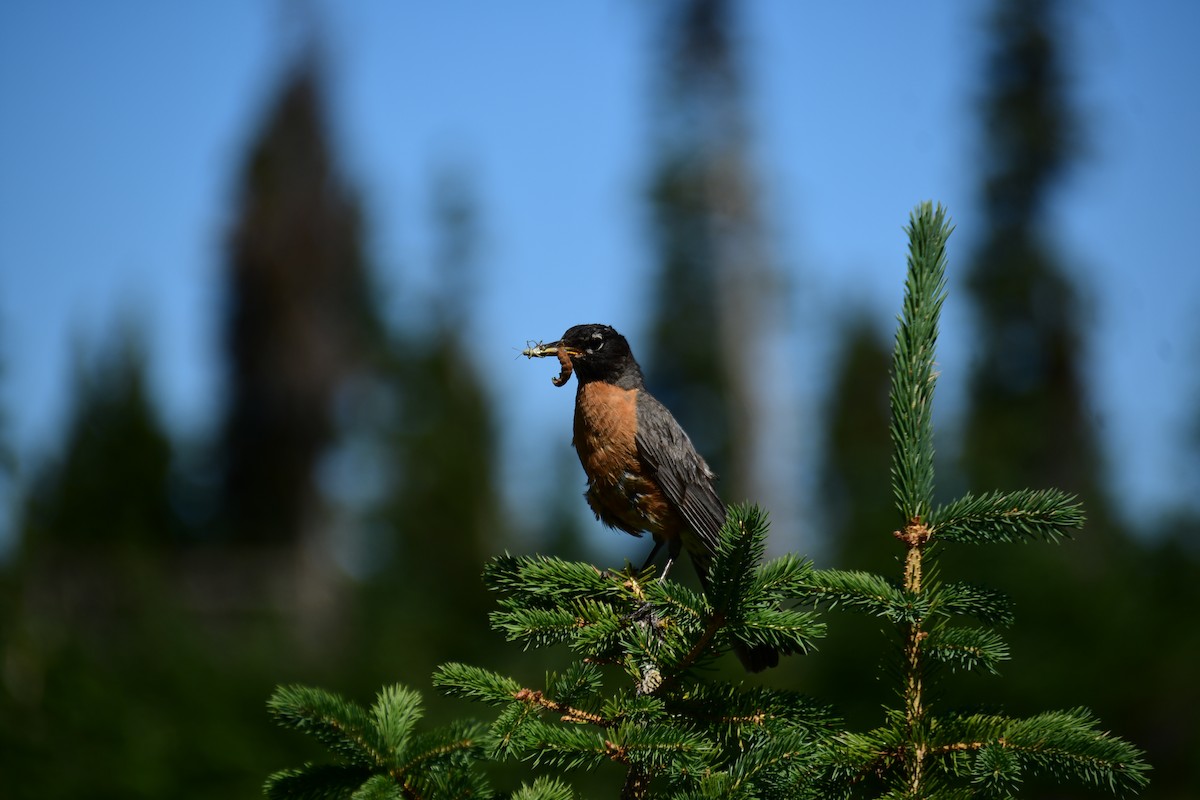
[{"x": 619, "y": 491}]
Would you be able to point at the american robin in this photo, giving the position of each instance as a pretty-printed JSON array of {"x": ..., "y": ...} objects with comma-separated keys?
[{"x": 643, "y": 472}]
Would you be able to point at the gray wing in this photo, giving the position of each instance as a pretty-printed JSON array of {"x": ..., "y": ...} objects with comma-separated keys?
[{"x": 687, "y": 481}]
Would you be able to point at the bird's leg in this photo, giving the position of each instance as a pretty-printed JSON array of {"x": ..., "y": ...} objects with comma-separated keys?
[
  {"x": 658, "y": 543},
  {"x": 645, "y": 611},
  {"x": 673, "y": 549},
  {"x": 672, "y": 554},
  {"x": 644, "y": 615}
]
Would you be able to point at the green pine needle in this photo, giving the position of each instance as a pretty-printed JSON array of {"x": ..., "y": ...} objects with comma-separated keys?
[
  {"x": 630, "y": 706},
  {"x": 739, "y": 553},
  {"x": 786, "y": 630},
  {"x": 475, "y": 683},
  {"x": 395, "y": 714},
  {"x": 507, "y": 732},
  {"x": 563, "y": 748},
  {"x": 913, "y": 375},
  {"x": 670, "y": 747},
  {"x": 1008, "y": 517},
  {"x": 379, "y": 787},
  {"x": 544, "y": 789},
  {"x": 779, "y": 764},
  {"x": 339, "y": 724},
  {"x": 737, "y": 711},
  {"x": 1065, "y": 745},
  {"x": 863, "y": 592},
  {"x": 599, "y": 630},
  {"x": 782, "y": 578},
  {"x": 997, "y": 770},
  {"x": 316, "y": 782},
  {"x": 535, "y": 627},
  {"x": 453, "y": 745},
  {"x": 581, "y": 682},
  {"x": 985, "y": 605},
  {"x": 379, "y": 748},
  {"x": 967, "y": 648},
  {"x": 548, "y": 582}
]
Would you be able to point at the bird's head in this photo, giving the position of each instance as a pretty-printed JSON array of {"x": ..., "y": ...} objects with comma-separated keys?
[{"x": 597, "y": 353}]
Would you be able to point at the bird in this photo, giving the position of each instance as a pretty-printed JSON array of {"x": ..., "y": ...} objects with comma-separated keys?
[{"x": 643, "y": 472}]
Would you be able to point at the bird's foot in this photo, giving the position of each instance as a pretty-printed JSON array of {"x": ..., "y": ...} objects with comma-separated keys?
[{"x": 644, "y": 614}]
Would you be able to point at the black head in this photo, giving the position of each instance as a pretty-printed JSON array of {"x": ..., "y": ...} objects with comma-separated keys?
[{"x": 597, "y": 353}]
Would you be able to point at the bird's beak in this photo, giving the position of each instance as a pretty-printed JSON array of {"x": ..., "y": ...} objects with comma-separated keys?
[{"x": 540, "y": 350}]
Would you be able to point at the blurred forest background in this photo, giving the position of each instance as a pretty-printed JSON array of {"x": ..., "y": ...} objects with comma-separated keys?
[{"x": 330, "y": 528}]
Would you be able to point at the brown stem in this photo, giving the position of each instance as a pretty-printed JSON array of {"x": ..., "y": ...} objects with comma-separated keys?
[
  {"x": 569, "y": 713},
  {"x": 637, "y": 784},
  {"x": 714, "y": 624},
  {"x": 915, "y": 535}
]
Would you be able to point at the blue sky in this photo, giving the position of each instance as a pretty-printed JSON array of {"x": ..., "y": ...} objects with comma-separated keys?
[{"x": 123, "y": 122}]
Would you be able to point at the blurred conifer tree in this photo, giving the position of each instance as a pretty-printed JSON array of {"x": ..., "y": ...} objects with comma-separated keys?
[
  {"x": 857, "y": 459},
  {"x": 136, "y": 654},
  {"x": 1029, "y": 420},
  {"x": 108, "y": 487},
  {"x": 441, "y": 516},
  {"x": 857, "y": 517},
  {"x": 1027, "y": 383},
  {"x": 298, "y": 317},
  {"x": 712, "y": 278},
  {"x": 114, "y": 684}
]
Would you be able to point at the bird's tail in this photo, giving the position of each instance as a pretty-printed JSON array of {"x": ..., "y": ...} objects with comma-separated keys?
[{"x": 758, "y": 658}]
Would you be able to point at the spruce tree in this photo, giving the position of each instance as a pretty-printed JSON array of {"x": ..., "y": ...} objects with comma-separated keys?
[
  {"x": 923, "y": 750},
  {"x": 640, "y": 700}
]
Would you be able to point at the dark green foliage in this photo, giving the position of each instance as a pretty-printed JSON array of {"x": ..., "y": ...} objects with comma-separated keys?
[
  {"x": 549, "y": 601},
  {"x": 858, "y": 591},
  {"x": 967, "y": 648},
  {"x": 379, "y": 753},
  {"x": 997, "y": 751},
  {"x": 315, "y": 782},
  {"x": 985, "y": 605},
  {"x": 641, "y": 697},
  {"x": 948, "y": 631}
]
